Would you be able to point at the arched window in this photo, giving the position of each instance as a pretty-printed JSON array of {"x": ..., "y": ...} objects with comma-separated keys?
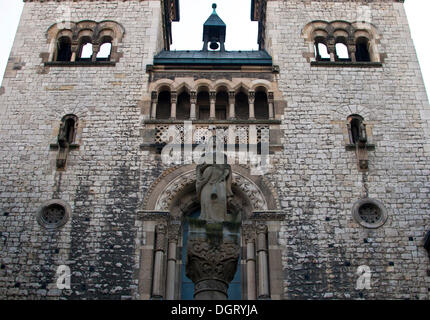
[
  {"x": 85, "y": 49},
  {"x": 342, "y": 53},
  {"x": 183, "y": 106},
  {"x": 242, "y": 106},
  {"x": 187, "y": 286},
  {"x": 203, "y": 104},
  {"x": 221, "y": 105},
  {"x": 362, "y": 50},
  {"x": 105, "y": 50},
  {"x": 67, "y": 133},
  {"x": 64, "y": 49},
  {"x": 163, "y": 105},
  {"x": 356, "y": 128},
  {"x": 261, "y": 105},
  {"x": 321, "y": 50}
]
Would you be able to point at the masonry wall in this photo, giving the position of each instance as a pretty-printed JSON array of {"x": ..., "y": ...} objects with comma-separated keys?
[
  {"x": 102, "y": 179},
  {"x": 319, "y": 180}
]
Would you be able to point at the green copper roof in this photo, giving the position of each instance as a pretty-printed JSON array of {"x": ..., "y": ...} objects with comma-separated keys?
[
  {"x": 214, "y": 20},
  {"x": 258, "y": 58}
]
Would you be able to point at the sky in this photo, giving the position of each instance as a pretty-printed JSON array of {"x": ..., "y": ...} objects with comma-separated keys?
[{"x": 233, "y": 12}]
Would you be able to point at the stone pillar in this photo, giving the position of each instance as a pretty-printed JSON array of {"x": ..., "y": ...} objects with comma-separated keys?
[
  {"x": 271, "y": 105},
  {"x": 251, "y": 100},
  {"x": 248, "y": 232},
  {"x": 231, "y": 113},
  {"x": 52, "y": 49},
  {"x": 157, "y": 275},
  {"x": 96, "y": 49},
  {"x": 173, "y": 100},
  {"x": 212, "y": 98},
  {"x": 351, "y": 50},
  {"x": 331, "y": 47},
  {"x": 193, "y": 101},
  {"x": 154, "y": 100},
  {"x": 171, "y": 261},
  {"x": 75, "y": 49},
  {"x": 263, "y": 270}
]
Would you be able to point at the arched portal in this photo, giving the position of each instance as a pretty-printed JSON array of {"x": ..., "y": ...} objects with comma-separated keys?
[{"x": 172, "y": 198}]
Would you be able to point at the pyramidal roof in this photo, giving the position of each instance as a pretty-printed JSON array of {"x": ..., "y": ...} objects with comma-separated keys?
[{"x": 214, "y": 19}]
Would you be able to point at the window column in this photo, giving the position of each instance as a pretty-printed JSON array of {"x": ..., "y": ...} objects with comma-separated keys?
[
  {"x": 171, "y": 261},
  {"x": 251, "y": 100},
  {"x": 75, "y": 49},
  {"x": 96, "y": 49},
  {"x": 157, "y": 275},
  {"x": 193, "y": 101},
  {"x": 212, "y": 98},
  {"x": 352, "y": 48},
  {"x": 263, "y": 268},
  {"x": 270, "y": 99},
  {"x": 173, "y": 100},
  {"x": 248, "y": 231},
  {"x": 231, "y": 100},
  {"x": 154, "y": 100}
]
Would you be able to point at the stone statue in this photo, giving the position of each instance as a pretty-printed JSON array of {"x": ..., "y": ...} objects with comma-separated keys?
[{"x": 213, "y": 186}]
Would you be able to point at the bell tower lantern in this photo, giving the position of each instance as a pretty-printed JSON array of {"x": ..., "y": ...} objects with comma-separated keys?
[{"x": 214, "y": 31}]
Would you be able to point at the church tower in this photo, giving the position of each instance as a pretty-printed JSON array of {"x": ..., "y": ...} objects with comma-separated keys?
[{"x": 322, "y": 134}]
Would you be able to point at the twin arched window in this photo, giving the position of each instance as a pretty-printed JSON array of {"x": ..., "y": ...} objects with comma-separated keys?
[
  {"x": 209, "y": 105},
  {"x": 342, "y": 41},
  {"x": 85, "y": 41}
]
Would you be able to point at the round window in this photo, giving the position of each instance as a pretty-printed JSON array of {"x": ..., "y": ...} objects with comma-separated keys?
[
  {"x": 370, "y": 213},
  {"x": 53, "y": 214}
]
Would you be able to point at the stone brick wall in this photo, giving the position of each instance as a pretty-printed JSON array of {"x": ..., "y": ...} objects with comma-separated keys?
[
  {"x": 101, "y": 181},
  {"x": 319, "y": 180}
]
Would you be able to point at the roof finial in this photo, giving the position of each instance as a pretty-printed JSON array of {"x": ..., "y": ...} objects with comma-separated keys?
[{"x": 214, "y": 7}]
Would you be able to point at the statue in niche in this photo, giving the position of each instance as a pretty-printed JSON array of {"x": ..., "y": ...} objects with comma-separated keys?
[{"x": 213, "y": 186}]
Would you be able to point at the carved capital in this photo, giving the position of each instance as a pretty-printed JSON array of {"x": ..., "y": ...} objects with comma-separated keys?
[
  {"x": 231, "y": 95},
  {"x": 161, "y": 232},
  {"x": 212, "y": 95},
  {"x": 251, "y": 96},
  {"x": 173, "y": 97},
  {"x": 271, "y": 97},
  {"x": 154, "y": 96},
  {"x": 174, "y": 230},
  {"x": 193, "y": 97},
  {"x": 261, "y": 228},
  {"x": 206, "y": 260},
  {"x": 248, "y": 232}
]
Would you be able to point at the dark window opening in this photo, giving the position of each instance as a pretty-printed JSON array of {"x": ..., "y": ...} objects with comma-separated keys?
[
  {"x": 362, "y": 50},
  {"x": 221, "y": 105},
  {"x": 64, "y": 49},
  {"x": 203, "y": 105},
  {"x": 67, "y": 133},
  {"x": 163, "y": 105},
  {"x": 356, "y": 129},
  {"x": 183, "y": 106},
  {"x": 242, "y": 106},
  {"x": 261, "y": 105}
]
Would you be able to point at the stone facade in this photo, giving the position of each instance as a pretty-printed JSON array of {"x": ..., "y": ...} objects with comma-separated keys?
[{"x": 112, "y": 183}]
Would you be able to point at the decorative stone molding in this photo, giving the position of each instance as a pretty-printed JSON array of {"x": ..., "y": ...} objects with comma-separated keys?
[{"x": 246, "y": 185}]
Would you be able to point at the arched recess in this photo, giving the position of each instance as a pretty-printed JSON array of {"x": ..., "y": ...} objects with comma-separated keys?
[{"x": 172, "y": 197}]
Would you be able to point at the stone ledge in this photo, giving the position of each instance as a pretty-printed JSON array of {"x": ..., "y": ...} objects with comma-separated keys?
[
  {"x": 80, "y": 64},
  {"x": 352, "y": 147},
  {"x": 223, "y": 122},
  {"x": 346, "y": 64}
]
